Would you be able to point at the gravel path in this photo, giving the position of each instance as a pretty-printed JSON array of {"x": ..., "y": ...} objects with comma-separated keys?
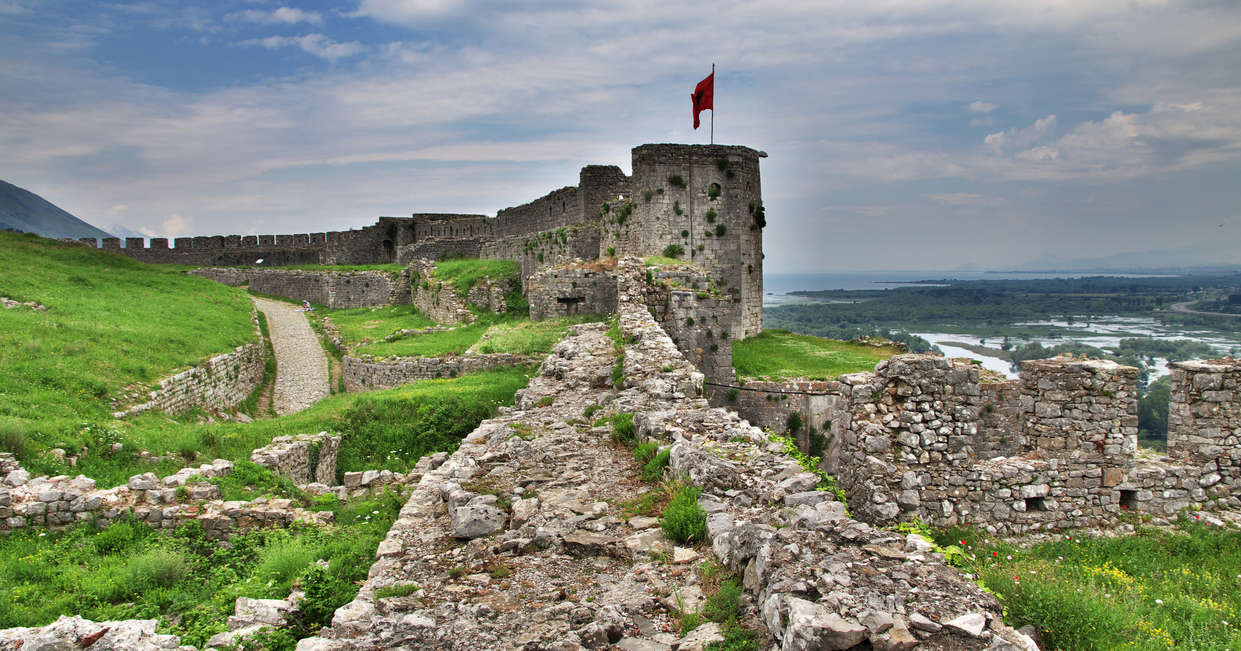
[{"x": 301, "y": 366}]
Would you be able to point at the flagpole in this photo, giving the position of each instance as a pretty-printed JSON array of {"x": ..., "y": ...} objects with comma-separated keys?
[{"x": 713, "y": 102}]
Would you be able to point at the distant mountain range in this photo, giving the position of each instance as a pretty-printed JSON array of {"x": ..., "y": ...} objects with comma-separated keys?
[
  {"x": 23, "y": 210},
  {"x": 1218, "y": 255}
]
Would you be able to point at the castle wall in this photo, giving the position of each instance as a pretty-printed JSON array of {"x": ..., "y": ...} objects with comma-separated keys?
[
  {"x": 439, "y": 249},
  {"x": 59, "y": 502},
  {"x": 544, "y": 249},
  {"x": 556, "y": 209},
  {"x": 1204, "y": 415},
  {"x": 571, "y": 290},
  {"x": 334, "y": 289},
  {"x": 923, "y": 434}
]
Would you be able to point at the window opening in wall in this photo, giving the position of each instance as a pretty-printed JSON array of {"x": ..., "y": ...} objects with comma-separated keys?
[
  {"x": 1035, "y": 504},
  {"x": 1128, "y": 499}
]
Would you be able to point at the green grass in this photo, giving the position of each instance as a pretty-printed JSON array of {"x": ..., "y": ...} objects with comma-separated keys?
[
  {"x": 434, "y": 344},
  {"x": 527, "y": 337},
  {"x": 374, "y": 423},
  {"x": 1151, "y": 590},
  {"x": 780, "y": 355},
  {"x": 131, "y": 571},
  {"x": 462, "y": 274},
  {"x": 362, "y": 324},
  {"x": 394, "y": 428},
  {"x": 111, "y": 322}
]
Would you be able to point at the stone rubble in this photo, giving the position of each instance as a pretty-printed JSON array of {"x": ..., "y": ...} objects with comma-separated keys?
[{"x": 517, "y": 540}]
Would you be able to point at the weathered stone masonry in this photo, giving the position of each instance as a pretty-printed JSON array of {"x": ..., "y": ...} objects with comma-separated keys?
[
  {"x": 219, "y": 384},
  {"x": 923, "y": 437},
  {"x": 328, "y": 288}
]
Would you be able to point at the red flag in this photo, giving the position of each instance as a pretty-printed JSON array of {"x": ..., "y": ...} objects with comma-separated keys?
[{"x": 704, "y": 96}]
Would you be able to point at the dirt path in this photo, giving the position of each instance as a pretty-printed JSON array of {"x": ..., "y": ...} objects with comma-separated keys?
[{"x": 301, "y": 366}]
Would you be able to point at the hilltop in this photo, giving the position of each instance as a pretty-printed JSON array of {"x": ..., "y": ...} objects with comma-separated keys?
[{"x": 23, "y": 210}]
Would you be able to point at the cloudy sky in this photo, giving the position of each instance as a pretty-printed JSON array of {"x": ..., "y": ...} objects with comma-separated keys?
[{"x": 903, "y": 134}]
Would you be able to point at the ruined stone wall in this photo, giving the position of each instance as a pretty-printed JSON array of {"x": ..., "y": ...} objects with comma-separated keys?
[
  {"x": 366, "y": 373},
  {"x": 920, "y": 445},
  {"x": 56, "y": 503},
  {"x": 329, "y": 288},
  {"x": 822, "y": 406},
  {"x": 571, "y": 290},
  {"x": 304, "y": 458},
  {"x": 219, "y": 384},
  {"x": 440, "y": 302},
  {"x": 699, "y": 317},
  {"x": 1204, "y": 414},
  {"x": 440, "y": 249}
]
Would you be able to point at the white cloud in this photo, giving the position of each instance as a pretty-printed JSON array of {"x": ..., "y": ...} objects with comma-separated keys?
[
  {"x": 959, "y": 198},
  {"x": 408, "y": 11},
  {"x": 174, "y": 226},
  {"x": 1001, "y": 140},
  {"x": 978, "y": 106},
  {"x": 316, "y": 44},
  {"x": 279, "y": 16}
]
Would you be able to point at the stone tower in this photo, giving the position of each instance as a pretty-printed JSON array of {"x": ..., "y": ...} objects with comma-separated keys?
[{"x": 707, "y": 199}]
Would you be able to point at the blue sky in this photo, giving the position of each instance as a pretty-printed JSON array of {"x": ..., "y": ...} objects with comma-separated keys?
[{"x": 923, "y": 134}]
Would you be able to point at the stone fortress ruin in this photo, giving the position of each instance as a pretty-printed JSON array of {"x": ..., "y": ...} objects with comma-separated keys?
[{"x": 919, "y": 437}]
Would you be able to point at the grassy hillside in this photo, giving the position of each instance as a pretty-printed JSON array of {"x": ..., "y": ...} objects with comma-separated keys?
[
  {"x": 780, "y": 355},
  {"x": 110, "y": 323}
]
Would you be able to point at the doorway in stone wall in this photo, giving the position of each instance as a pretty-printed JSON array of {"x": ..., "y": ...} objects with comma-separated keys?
[{"x": 389, "y": 251}]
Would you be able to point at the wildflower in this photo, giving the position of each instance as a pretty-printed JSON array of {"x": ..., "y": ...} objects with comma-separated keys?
[
  {"x": 1159, "y": 602},
  {"x": 1009, "y": 557},
  {"x": 995, "y": 554},
  {"x": 962, "y": 542}
]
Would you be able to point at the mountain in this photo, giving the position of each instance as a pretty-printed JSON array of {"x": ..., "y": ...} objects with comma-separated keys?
[
  {"x": 23, "y": 210},
  {"x": 1212, "y": 254}
]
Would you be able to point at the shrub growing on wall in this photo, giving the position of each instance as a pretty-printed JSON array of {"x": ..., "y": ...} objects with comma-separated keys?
[{"x": 674, "y": 251}]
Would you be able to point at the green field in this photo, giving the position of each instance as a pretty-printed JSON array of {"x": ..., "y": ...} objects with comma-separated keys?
[
  {"x": 1155, "y": 589},
  {"x": 462, "y": 274},
  {"x": 361, "y": 324},
  {"x": 781, "y": 355},
  {"x": 110, "y": 323}
]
